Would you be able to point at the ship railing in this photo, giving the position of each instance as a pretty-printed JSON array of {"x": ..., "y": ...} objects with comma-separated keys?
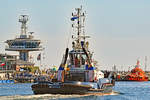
[
  {"x": 77, "y": 70},
  {"x": 24, "y": 77},
  {"x": 9, "y": 71},
  {"x": 11, "y": 59}
]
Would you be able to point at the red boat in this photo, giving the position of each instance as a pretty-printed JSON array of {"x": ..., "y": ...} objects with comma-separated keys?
[{"x": 137, "y": 74}]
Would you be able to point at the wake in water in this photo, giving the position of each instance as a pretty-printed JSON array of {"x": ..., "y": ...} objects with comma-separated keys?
[
  {"x": 44, "y": 96},
  {"x": 49, "y": 96}
]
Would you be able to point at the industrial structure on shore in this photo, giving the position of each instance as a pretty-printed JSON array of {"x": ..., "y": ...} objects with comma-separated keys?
[{"x": 23, "y": 44}]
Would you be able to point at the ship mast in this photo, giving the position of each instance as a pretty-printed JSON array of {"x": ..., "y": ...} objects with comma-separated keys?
[
  {"x": 80, "y": 44},
  {"x": 79, "y": 23},
  {"x": 78, "y": 19}
]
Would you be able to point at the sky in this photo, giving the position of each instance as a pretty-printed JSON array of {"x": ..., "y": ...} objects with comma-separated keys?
[{"x": 119, "y": 29}]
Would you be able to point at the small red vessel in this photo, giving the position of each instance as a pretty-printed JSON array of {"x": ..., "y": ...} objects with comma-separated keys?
[{"x": 137, "y": 74}]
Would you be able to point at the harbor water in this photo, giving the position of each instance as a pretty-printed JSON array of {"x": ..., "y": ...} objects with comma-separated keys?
[{"x": 128, "y": 91}]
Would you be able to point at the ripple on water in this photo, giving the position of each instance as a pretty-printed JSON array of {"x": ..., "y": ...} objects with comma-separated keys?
[{"x": 128, "y": 90}]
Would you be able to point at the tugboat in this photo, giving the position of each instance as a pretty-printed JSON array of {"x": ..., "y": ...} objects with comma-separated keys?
[
  {"x": 137, "y": 74},
  {"x": 77, "y": 73}
]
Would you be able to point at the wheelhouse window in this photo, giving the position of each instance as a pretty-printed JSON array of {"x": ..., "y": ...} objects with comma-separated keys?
[{"x": 77, "y": 58}]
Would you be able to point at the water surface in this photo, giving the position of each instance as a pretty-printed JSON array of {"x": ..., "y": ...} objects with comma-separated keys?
[{"x": 128, "y": 91}]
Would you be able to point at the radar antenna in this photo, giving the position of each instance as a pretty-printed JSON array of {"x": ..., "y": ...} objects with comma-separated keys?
[{"x": 23, "y": 19}]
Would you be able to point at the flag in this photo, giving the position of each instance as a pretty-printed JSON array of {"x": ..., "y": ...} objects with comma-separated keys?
[
  {"x": 73, "y": 18},
  {"x": 39, "y": 56},
  {"x": 2, "y": 64}
]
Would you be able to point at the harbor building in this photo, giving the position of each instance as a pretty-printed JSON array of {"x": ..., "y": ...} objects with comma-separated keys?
[
  {"x": 7, "y": 65},
  {"x": 7, "y": 62},
  {"x": 24, "y": 44}
]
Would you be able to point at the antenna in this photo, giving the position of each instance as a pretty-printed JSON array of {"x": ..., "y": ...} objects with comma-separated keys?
[
  {"x": 23, "y": 19},
  {"x": 145, "y": 63}
]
